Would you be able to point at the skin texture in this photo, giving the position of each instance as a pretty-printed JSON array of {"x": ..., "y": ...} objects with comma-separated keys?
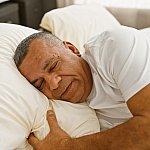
[
  {"x": 131, "y": 135},
  {"x": 57, "y": 72}
]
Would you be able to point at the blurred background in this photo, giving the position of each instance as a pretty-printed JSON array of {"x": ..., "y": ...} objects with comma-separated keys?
[{"x": 30, "y": 12}]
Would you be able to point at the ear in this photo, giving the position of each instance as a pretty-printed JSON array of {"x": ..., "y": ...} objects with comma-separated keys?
[{"x": 71, "y": 47}]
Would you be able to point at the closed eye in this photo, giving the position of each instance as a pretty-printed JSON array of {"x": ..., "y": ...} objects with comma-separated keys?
[
  {"x": 40, "y": 86},
  {"x": 53, "y": 66}
]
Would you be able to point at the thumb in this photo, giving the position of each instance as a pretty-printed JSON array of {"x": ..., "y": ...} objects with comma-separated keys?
[
  {"x": 52, "y": 121},
  {"x": 33, "y": 141}
]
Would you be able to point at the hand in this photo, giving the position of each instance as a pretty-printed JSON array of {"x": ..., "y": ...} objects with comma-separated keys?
[{"x": 56, "y": 138}]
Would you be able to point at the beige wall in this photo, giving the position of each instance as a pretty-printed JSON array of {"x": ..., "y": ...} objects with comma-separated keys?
[{"x": 133, "y": 17}]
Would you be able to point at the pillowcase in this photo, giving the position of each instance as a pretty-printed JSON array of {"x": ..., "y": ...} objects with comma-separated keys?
[
  {"x": 23, "y": 108},
  {"x": 78, "y": 23}
]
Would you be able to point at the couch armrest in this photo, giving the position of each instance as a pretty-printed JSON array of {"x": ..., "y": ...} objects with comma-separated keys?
[{"x": 132, "y": 17}]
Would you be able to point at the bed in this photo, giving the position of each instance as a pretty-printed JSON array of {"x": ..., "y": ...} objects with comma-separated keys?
[{"x": 22, "y": 107}]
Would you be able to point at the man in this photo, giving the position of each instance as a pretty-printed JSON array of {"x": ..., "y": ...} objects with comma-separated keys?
[{"x": 113, "y": 77}]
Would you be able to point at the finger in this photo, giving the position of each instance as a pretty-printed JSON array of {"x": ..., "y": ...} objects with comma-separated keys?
[
  {"x": 33, "y": 141},
  {"x": 52, "y": 120}
]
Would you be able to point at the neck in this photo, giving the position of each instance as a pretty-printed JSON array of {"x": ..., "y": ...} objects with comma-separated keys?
[{"x": 88, "y": 79}]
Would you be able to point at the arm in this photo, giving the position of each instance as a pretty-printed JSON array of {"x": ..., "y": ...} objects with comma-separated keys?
[
  {"x": 134, "y": 134},
  {"x": 131, "y": 135}
]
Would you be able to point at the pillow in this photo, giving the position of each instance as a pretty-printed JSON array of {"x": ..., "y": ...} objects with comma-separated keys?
[
  {"x": 78, "y": 23},
  {"x": 23, "y": 108}
]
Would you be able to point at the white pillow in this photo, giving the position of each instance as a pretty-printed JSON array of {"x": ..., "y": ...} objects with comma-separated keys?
[
  {"x": 78, "y": 23},
  {"x": 23, "y": 108}
]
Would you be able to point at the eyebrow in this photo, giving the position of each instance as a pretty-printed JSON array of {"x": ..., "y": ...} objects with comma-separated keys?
[{"x": 45, "y": 66}]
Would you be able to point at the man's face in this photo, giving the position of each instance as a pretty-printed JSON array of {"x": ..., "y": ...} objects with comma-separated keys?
[{"x": 57, "y": 72}]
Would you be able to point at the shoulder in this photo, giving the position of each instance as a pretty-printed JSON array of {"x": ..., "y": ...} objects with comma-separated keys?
[
  {"x": 114, "y": 41},
  {"x": 114, "y": 37}
]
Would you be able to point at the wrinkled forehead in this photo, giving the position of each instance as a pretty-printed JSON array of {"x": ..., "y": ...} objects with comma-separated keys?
[
  {"x": 33, "y": 62},
  {"x": 31, "y": 67},
  {"x": 38, "y": 55}
]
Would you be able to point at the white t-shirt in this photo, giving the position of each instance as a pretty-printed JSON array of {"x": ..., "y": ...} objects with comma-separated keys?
[{"x": 120, "y": 63}]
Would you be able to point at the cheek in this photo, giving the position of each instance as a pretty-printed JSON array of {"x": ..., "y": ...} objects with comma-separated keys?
[
  {"x": 83, "y": 86},
  {"x": 47, "y": 93}
]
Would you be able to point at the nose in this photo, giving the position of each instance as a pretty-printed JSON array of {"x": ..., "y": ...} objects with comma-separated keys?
[{"x": 52, "y": 80}]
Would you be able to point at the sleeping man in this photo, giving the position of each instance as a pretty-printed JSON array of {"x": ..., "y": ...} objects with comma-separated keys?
[{"x": 113, "y": 76}]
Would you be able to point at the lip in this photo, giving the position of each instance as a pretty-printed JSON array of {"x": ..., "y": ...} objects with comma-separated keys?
[{"x": 69, "y": 91}]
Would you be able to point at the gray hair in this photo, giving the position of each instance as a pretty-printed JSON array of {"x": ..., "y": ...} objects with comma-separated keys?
[{"x": 23, "y": 47}]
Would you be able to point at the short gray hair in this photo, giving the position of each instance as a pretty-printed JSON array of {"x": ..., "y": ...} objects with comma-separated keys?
[{"x": 22, "y": 48}]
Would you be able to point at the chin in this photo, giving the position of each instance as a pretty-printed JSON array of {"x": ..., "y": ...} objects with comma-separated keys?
[
  {"x": 79, "y": 99},
  {"x": 72, "y": 100}
]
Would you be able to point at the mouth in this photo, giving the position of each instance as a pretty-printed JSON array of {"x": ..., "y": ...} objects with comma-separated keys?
[{"x": 69, "y": 92}]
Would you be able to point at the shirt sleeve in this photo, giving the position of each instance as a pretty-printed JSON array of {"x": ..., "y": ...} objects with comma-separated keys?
[{"x": 130, "y": 60}]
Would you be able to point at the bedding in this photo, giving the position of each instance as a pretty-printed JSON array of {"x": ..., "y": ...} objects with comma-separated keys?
[
  {"x": 23, "y": 108},
  {"x": 78, "y": 23}
]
